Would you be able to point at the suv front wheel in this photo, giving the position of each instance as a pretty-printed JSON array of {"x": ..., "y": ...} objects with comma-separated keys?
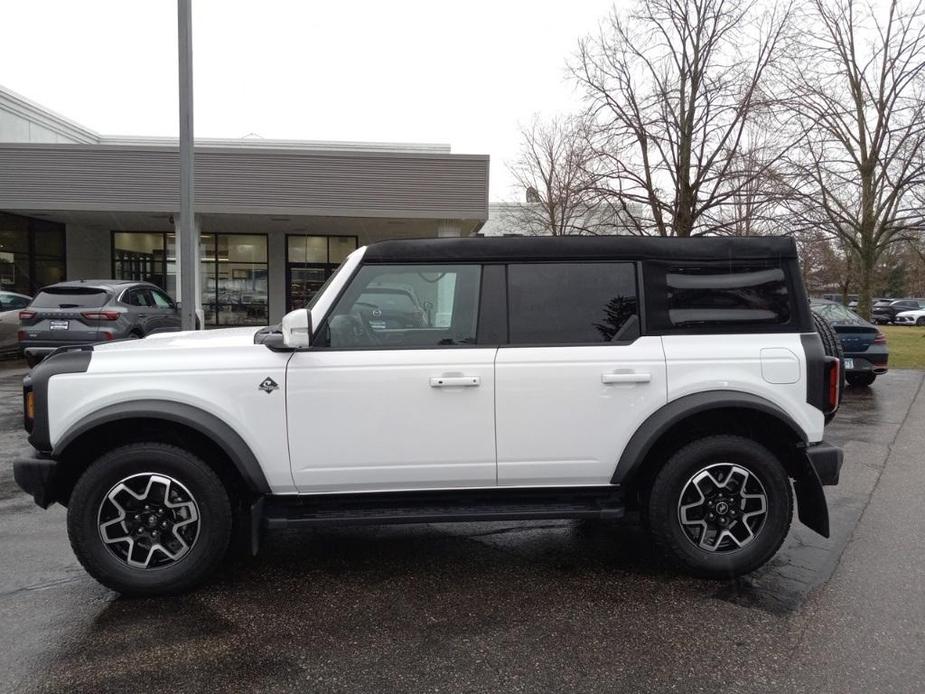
[
  {"x": 149, "y": 519},
  {"x": 721, "y": 506}
]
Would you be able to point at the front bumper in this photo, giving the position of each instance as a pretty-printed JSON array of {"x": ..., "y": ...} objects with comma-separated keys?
[
  {"x": 36, "y": 475},
  {"x": 826, "y": 460}
]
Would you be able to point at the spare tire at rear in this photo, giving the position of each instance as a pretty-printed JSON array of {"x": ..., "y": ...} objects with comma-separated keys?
[{"x": 831, "y": 345}]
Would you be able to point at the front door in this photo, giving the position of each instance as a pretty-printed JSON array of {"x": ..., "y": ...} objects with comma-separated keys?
[
  {"x": 395, "y": 393},
  {"x": 577, "y": 379}
]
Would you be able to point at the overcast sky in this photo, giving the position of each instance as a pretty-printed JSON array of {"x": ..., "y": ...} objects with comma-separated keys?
[{"x": 395, "y": 71}]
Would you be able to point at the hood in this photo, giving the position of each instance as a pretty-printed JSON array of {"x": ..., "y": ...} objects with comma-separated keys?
[{"x": 190, "y": 339}]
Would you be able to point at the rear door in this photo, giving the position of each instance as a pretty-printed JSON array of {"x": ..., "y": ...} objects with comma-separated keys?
[{"x": 577, "y": 379}]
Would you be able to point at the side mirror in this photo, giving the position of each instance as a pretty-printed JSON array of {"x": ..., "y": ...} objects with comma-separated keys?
[{"x": 297, "y": 328}]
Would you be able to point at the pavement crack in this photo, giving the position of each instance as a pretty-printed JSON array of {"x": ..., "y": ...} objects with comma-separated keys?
[{"x": 46, "y": 585}]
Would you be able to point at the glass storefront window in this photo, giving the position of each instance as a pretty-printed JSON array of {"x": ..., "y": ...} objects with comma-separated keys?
[
  {"x": 139, "y": 257},
  {"x": 310, "y": 260},
  {"x": 32, "y": 253},
  {"x": 308, "y": 249},
  {"x": 340, "y": 248},
  {"x": 234, "y": 279},
  {"x": 233, "y": 272}
]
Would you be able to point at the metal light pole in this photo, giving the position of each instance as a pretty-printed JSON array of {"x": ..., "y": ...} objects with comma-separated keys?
[{"x": 188, "y": 232}]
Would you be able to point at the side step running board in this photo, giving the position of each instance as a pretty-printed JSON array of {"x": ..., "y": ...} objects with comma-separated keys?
[{"x": 440, "y": 507}]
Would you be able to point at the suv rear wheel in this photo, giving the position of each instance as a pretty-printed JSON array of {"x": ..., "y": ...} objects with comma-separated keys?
[
  {"x": 721, "y": 506},
  {"x": 149, "y": 519}
]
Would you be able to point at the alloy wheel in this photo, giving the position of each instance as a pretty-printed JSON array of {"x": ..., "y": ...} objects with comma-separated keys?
[
  {"x": 148, "y": 520},
  {"x": 722, "y": 508}
]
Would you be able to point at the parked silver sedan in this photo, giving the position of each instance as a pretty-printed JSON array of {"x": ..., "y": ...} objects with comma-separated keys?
[{"x": 10, "y": 305}]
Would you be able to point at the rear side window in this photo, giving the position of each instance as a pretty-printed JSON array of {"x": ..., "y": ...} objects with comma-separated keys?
[
  {"x": 137, "y": 297},
  {"x": 572, "y": 303},
  {"x": 727, "y": 295},
  {"x": 70, "y": 297},
  {"x": 160, "y": 299}
]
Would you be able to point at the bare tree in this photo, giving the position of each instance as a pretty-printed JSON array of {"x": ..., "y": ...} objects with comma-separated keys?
[
  {"x": 857, "y": 94},
  {"x": 555, "y": 170},
  {"x": 671, "y": 86}
]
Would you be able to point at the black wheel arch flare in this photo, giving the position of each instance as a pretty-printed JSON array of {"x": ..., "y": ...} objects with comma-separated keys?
[
  {"x": 221, "y": 433},
  {"x": 812, "y": 508}
]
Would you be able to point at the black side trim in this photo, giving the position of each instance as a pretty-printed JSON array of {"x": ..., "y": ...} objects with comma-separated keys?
[
  {"x": 210, "y": 425},
  {"x": 75, "y": 360},
  {"x": 663, "y": 419},
  {"x": 815, "y": 370}
]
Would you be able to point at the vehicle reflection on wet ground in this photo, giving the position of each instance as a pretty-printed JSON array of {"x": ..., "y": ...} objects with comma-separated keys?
[{"x": 530, "y": 606}]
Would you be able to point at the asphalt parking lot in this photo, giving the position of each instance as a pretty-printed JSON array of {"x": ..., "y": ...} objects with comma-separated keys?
[{"x": 553, "y": 606}]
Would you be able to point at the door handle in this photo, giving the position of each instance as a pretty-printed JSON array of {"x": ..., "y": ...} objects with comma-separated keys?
[
  {"x": 626, "y": 377},
  {"x": 454, "y": 381}
]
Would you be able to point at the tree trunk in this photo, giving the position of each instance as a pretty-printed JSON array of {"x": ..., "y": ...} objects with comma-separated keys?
[{"x": 867, "y": 264}]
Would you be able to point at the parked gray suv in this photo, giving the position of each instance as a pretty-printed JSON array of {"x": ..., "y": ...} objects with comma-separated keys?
[{"x": 88, "y": 311}]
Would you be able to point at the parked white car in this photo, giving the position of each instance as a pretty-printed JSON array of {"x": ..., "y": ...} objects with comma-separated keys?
[
  {"x": 910, "y": 317},
  {"x": 553, "y": 378}
]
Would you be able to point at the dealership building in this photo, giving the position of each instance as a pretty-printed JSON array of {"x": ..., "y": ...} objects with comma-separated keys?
[{"x": 275, "y": 216}]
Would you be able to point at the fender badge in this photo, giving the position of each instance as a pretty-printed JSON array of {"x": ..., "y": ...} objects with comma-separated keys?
[{"x": 268, "y": 385}]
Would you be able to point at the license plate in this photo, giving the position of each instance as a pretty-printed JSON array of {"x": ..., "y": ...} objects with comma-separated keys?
[
  {"x": 849, "y": 364},
  {"x": 58, "y": 324}
]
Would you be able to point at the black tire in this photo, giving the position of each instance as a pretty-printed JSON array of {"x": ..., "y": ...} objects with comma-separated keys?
[
  {"x": 205, "y": 551},
  {"x": 673, "y": 480},
  {"x": 920, "y": 321},
  {"x": 860, "y": 378}
]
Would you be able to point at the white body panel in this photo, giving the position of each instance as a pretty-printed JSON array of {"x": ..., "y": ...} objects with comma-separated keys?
[
  {"x": 217, "y": 371},
  {"x": 564, "y": 414},
  {"x": 698, "y": 363},
  {"x": 392, "y": 419},
  {"x": 405, "y": 419}
]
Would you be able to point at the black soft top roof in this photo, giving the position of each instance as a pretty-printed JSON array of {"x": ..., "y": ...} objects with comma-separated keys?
[{"x": 519, "y": 248}]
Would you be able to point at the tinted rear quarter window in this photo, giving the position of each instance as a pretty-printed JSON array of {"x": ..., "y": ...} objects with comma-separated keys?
[
  {"x": 70, "y": 297},
  {"x": 572, "y": 303},
  {"x": 727, "y": 295}
]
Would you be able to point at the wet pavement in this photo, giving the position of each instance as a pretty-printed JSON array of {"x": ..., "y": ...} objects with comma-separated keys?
[{"x": 543, "y": 606}]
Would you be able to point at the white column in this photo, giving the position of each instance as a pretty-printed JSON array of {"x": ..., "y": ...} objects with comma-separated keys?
[{"x": 197, "y": 264}]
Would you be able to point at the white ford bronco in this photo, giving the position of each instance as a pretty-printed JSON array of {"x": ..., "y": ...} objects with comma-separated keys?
[{"x": 456, "y": 380}]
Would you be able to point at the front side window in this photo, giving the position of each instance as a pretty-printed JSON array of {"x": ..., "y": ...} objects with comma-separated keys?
[
  {"x": 389, "y": 306},
  {"x": 727, "y": 295},
  {"x": 572, "y": 303}
]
